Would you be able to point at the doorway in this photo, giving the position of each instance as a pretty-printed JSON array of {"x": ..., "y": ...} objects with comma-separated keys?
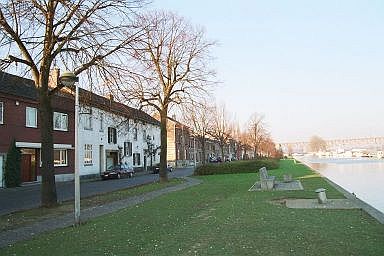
[
  {"x": 101, "y": 159},
  {"x": 28, "y": 165},
  {"x": 1, "y": 170},
  {"x": 112, "y": 158}
]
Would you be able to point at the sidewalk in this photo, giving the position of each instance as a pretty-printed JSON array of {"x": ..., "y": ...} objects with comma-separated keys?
[
  {"x": 12, "y": 236},
  {"x": 27, "y": 197}
]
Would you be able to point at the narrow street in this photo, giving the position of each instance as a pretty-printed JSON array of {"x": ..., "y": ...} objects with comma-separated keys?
[{"x": 27, "y": 197}]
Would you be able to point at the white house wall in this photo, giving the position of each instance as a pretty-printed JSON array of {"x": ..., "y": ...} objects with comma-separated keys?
[{"x": 98, "y": 138}]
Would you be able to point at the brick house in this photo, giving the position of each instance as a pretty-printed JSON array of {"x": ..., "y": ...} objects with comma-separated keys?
[{"x": 19, "y": 120}]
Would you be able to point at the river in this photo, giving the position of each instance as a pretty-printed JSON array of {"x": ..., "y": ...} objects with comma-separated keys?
[{"x": 362, "y": 176}]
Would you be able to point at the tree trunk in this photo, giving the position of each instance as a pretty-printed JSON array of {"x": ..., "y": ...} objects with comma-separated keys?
[
  {"x": 48, "y": 186},
  {"x": 163, "y": 153},
  {"x": 203, "y": 150}
]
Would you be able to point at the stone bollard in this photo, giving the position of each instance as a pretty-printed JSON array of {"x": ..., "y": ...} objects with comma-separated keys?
[
  {"x": 321, "y": 196},
  {"x": 287, "y": 177}
]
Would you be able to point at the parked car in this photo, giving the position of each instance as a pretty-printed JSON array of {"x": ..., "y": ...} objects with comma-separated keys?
[
  {"x": 157, "y": 169},
  {"x": 117, "y": 172},
  {"x": 213, "y": 159}
]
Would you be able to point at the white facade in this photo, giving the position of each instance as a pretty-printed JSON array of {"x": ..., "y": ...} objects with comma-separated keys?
[{"x": 107, "y": 139}]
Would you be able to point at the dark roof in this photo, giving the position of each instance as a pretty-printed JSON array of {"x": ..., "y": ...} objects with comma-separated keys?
[
  {"x": 92, "y": 99},
  {"x": 22, "y": 87},
  {"x": 17, "y": 86}
]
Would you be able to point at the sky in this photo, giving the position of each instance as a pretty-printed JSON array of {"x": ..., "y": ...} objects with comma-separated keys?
[{"x": 310, "y": 67}]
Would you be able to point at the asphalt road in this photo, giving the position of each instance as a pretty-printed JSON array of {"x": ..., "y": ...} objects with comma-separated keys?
[{"x": 27, "y": 197}]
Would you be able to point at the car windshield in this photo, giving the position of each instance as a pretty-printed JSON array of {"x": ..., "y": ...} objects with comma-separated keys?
[{"x": 114, "y": 167}]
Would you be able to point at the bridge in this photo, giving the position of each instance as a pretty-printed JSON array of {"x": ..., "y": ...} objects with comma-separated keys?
[{"x": 372, "y": 143}]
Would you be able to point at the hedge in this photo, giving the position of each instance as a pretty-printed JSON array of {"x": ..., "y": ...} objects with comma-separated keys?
[
  {"x": 244, "y": 166},
  {"x": 12, "y": 175}
]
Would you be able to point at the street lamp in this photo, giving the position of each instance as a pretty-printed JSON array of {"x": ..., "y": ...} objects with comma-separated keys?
[{"x": 69, "y": 79}]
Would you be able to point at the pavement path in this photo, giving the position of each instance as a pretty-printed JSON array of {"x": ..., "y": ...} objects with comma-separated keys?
[
  {"x": 7, "y": 238},
  {"x": 28, "y": 197}
]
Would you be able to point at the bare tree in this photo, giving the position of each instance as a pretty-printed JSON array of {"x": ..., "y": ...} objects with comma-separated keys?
[
  {"x": 256, "y": 132},
  {"x": 83, "y": 35},
  {"x": 198, "y": 116},
  {"x": 221, "y": 127},
  {"x": 290, "y": 149},
  {"x": 171, "y": 62},
  {"x": 316, "y": 144},
  {"x": 236, "y": 136},
  {"x": 268, "y": 147}
]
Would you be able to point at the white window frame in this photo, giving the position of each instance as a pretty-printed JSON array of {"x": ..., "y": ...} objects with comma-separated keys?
[
  {"x": 87, "y": 122},
  {"x": 127, "y": 148},
  {"x": 136, "y": 159},
  {"x": 63, "y": 154},
  {"x": 65, "y": 129},
  {"x": 112, "y": 135},
  {"x": 101, "y": 122},
  {"x": 1, "y": 112},
  {"x": 135, "y": 134},
  {"x": 88, "y": 160},
  {"x": 27, "y": 111}
]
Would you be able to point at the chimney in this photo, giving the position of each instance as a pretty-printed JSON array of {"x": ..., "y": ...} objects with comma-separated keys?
[
  {"x": 54, "y": 77},
  {"x": 110, "y": 97}
]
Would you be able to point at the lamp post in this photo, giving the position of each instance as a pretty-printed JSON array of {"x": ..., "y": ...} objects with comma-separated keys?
[
  {"x": 194, "y": 151},
  {"x": 69, "y": 79}
]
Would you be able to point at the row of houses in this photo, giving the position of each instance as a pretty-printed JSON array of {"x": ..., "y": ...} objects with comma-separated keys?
[{"x": 110, "y": 133}]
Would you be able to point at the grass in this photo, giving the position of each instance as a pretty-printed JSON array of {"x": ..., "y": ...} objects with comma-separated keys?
[
  {"x": 25, "y": 217},
  {"x": 220, "y": 217}
]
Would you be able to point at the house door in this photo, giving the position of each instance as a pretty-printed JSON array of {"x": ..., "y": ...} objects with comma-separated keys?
[
  {"x": 1, "y": 171},
  {"x": 25, "y": 166},
  {"x": 28, "y": 165}
]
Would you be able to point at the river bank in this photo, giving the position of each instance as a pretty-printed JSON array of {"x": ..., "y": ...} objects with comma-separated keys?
[
  {"x": 371, "y": 210},
  {"x": 362, "y": 177}
]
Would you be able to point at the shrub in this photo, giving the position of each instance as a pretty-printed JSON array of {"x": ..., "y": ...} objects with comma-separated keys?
[
  {"x": 12, "y": 175},
  {"x": 236, "y": 167}
]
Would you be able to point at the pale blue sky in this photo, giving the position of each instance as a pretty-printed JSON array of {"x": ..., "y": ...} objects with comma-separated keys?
[{"x": 311, "y": 67}]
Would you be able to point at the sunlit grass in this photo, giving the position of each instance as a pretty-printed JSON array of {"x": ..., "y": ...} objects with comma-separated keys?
[
  {"x": 220, "y": 217},
  {"x": 25, "y": 217}
]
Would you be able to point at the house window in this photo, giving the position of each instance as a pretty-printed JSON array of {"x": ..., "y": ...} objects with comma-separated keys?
[
  {"x": 101, "y": 122},
  {"x": 60, "y": 157},
  {"x": 88, "y": 154},
  {"x": 1, "y": 112},
  {"x": 144, "y": 135},
  {"x": 136, "y": 158},
  {"x": 135, "y": 133},
  {"x": 87, "y": 122},
  {"x": 112, "y": 136},
  {"x": 60, "y": 121},
  {"x": 128, "y": 148},
  {"x": 30, "y": 117}
]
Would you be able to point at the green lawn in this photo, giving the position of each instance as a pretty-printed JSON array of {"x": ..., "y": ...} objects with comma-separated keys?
[
  {"x": 30, "y": 216},
  {"x": 220, "y": 217}
]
